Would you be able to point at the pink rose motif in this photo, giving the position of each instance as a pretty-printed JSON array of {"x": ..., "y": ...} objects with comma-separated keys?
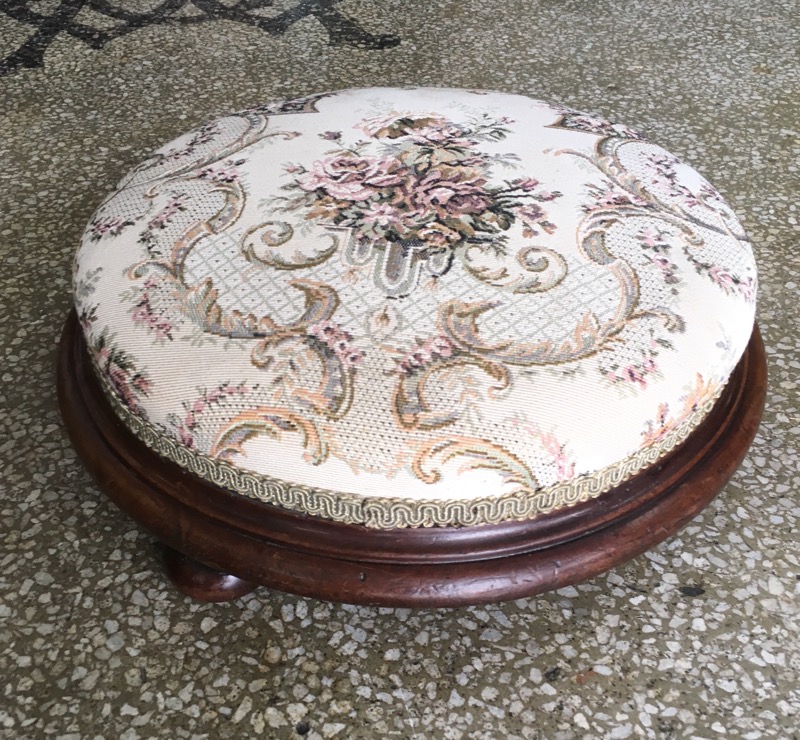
[
  {"x": 722, "y": 277},
  {"x": 349, "y": 177},
  {"x": 532, "y": 213},
  {"x": 453, "y": 191},
  {"x": 141, "y": 384},
  {"x": 379, "y": 126},
  {"x": 340, "y": 175},
  {"x": 649, "y": 365},
  {"x": 185, "y": 438},
  {"x": 432, "y": 131},
  {"x": 612, "y": 196},
  {"x": 443, "y": 134},
  {"x": 385, "y": 173},
  {"x": 527, "y": 184},
  {"x": 382, "y": 214},
  {"x": 108, "y": 226},
  {"x": 422, "y": 184},
  {"x": 651, "y": 238},
  {"x": 119, "y": 380},
  {"x": 227, "y": 173},
  {"x": 439, "y": 345},
  {"x": 338, "y": 341},
  {"x": 632, "y": 374},
  {"x": 352, "y": 358},
  {"x": 425, "y": 353},
  {"x": 419, "y": 357}
]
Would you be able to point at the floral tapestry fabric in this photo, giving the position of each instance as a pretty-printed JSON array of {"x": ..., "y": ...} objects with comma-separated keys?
[{"x": 414, "y": 307}]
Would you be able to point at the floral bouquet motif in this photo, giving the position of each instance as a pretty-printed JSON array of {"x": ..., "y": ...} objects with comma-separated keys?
[{"x": 416, "y": 191}]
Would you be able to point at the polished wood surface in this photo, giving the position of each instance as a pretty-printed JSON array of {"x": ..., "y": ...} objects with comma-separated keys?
[
  {"x": 220, "y": 534},
  {"x": 201, "y": 582}
]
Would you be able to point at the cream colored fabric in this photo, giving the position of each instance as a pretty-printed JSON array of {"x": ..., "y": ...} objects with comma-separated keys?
[{"x": 414, "y": 307}]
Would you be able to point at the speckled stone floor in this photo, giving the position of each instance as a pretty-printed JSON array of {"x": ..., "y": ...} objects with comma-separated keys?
[{"x": 699, "y": 638}]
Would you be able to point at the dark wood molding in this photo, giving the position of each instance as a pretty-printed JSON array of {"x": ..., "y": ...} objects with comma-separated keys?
[{"x": 238, "y": 542}]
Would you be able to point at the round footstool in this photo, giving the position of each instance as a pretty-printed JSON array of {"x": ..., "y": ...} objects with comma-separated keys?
[{"x": 411, "y": 347}]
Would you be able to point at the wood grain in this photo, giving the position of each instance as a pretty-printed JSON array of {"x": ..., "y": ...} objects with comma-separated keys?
[{"x": 441, "y": 566}]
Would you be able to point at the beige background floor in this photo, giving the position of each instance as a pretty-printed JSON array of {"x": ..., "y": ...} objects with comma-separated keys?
[{"x": 699, "y": 638}]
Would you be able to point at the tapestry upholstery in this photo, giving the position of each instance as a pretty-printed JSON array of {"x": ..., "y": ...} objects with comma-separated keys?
[{"x": 414, "y": 307}]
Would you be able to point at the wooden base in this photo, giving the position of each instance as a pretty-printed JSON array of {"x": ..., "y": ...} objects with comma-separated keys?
[
  {"x": 201, "y": 582},
  {"x": 211, "y": 532}
]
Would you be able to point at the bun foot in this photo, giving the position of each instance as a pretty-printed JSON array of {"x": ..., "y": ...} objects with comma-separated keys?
[{"x": 200, "y": 582}]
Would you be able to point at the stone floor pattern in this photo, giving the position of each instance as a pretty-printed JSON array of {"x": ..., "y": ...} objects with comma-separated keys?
[{"x": 700, "y": 638}]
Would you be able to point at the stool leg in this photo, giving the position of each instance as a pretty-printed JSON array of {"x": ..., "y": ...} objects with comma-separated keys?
[{"x": 201, "y": 582}]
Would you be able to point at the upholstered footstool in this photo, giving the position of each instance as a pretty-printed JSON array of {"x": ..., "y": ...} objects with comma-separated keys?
[{"x": 411, "y": 347}]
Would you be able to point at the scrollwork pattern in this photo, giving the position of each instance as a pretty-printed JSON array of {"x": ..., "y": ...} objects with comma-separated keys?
[{"x": 405, "y": 297}]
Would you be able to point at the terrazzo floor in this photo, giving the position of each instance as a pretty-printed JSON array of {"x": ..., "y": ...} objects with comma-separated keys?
[{"x": 700, "y": 638}]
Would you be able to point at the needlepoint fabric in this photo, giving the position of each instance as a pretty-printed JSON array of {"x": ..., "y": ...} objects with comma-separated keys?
[{"x": 414, "y": 307}]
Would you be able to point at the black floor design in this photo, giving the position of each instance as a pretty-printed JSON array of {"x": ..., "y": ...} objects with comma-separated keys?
[{"x": 70, "y": 17}]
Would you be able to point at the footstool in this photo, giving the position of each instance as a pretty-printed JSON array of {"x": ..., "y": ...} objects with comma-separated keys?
[{"x": 411, "y": 347}]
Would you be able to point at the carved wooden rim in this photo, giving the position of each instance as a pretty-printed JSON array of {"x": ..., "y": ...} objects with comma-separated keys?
[{"x": 438, "y": 566}]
